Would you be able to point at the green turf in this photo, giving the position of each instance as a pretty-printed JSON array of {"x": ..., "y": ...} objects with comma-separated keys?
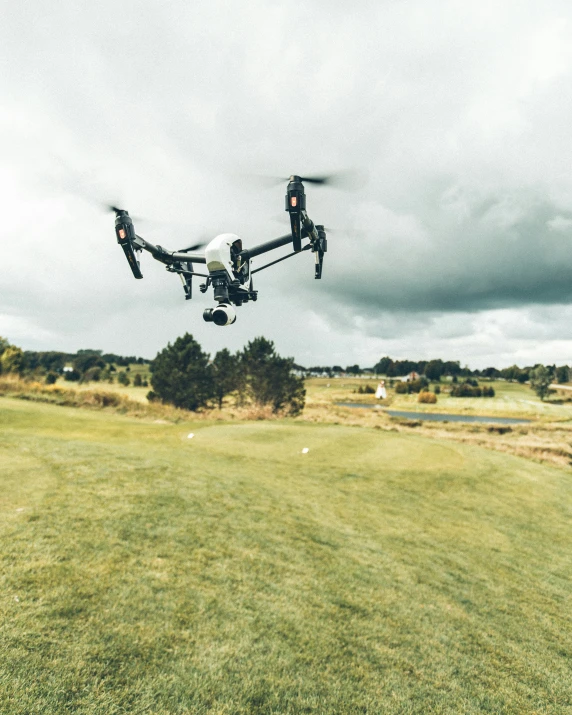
[{"x": 143, "y": 572}]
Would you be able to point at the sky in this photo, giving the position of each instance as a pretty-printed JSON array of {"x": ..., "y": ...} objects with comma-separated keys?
[{"x": 456, "y": 242}]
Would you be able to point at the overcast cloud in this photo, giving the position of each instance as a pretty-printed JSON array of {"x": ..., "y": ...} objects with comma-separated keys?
[{"x": 458, "y": 245}]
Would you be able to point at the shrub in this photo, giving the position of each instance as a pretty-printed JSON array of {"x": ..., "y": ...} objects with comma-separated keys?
[
  {"x": 137, "y": 381},
  {"x": 417, "y": 385},
  {"x": 365, "y": 390},
  {"x": 401, "y": 388},
  {"x": 123, "y": 378},
  {"x": 72, "y": 375},
  {"x": 465, "y": 390},
  {"x": 51, "y": 378},
  {"x": 92, "y": 375},
  {"x": 437, "y": 390},
  {"x": 429, "y": 398}
]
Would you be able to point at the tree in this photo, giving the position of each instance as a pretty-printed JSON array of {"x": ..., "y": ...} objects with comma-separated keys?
[
  {"x": 540, "y": 379},
  {"x": 269, "y": 379},
  {"x": 137, "y": 380},
  {"x": 434, "y": 369},
  {"x": 11, "y": 360},
  {"x": 562, "y": 374},
  {"x": 86, "y": 360},
  {"x": 382, "y": 367},
  {"x": 226, "y": 374},
  {"x": 181, "y": 375}
]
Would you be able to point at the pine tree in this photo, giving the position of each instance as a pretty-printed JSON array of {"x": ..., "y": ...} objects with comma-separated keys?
[
  {"x": 226, "y": 374},
  {"x": 269, "y": 379},
  {"x": 181, "y": 375}
]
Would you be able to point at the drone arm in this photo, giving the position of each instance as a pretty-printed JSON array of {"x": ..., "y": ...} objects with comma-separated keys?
[
  {"x": 309, "y": 226},
  {"x": 164, "y": 256},
  {"x": 289, "y": 255},
  {"x": 268, "y": 246}
]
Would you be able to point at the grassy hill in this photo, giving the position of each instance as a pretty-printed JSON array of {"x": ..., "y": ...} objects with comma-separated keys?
[{"x": 381, "y": 572}]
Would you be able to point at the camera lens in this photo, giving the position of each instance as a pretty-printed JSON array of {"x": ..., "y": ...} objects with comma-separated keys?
[
  {"x": 220, "y": 316},
  {"x": 208, "y": 315}
]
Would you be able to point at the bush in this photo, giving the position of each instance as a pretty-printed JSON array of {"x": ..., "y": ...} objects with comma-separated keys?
[
  {"x": 437, "y": 390},
  {"x": 427, "y": 397},
  {"x": 488, "y": 392},
  {"x": 401, "y": 388},
  {"x": 365, "y": 390},
  {"x": 137, "y": 381},
  {"x": 51, "y": 378},
  {"x": 417, "y": 385},
  {"x": 123, "y": 378},
  {"x": 72, "y": 375},
  {"x": 92, "y": 375},
  {"x": 465, "y": 390}
]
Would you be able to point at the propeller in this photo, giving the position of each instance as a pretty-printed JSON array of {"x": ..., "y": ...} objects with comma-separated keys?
[
  {"x": 190, "y": 249},
  {"x": 350, "y": 180}
]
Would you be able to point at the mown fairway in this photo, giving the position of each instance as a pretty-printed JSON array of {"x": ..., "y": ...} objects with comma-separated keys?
[{"x": 143, "y": 572}]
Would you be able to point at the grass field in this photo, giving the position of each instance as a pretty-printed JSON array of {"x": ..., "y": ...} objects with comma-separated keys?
[
  {"x": 145, "y": 572},
  {"x": 511, "y": 399}
]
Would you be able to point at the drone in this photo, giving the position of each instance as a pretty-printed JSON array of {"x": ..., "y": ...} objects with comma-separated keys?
[{"x": 227, "y": 262}]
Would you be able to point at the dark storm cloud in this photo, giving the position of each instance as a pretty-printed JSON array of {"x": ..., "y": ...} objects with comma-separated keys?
[{"x": 504, "y": 252}]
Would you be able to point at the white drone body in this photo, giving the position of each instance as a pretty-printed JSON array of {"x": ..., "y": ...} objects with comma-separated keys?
[{"x": 218, "y": 254}]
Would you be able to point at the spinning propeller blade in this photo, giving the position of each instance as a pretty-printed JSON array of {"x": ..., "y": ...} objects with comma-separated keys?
[{"x": 350, "y": 180}]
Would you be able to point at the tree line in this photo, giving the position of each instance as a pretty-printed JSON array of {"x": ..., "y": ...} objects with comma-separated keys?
[
  {"x": 182, "y": 374},
  {"x": 434, "y": 370},
  {"x": 86, "y": 365}
]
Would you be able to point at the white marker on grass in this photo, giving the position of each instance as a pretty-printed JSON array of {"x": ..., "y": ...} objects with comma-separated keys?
[
  {"x": 190, "y": 435},
  {"x": 305, "y": 450}
]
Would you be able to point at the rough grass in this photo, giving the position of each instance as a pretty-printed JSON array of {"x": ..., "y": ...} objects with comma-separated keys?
[{"x": 145, "y": 572}]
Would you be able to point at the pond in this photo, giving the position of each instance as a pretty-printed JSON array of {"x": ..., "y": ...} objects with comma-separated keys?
[{"x": 435, "y": 417}]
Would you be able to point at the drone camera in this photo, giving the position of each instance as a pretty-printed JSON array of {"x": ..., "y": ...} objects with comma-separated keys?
[{"x": 223, "y": 314}]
